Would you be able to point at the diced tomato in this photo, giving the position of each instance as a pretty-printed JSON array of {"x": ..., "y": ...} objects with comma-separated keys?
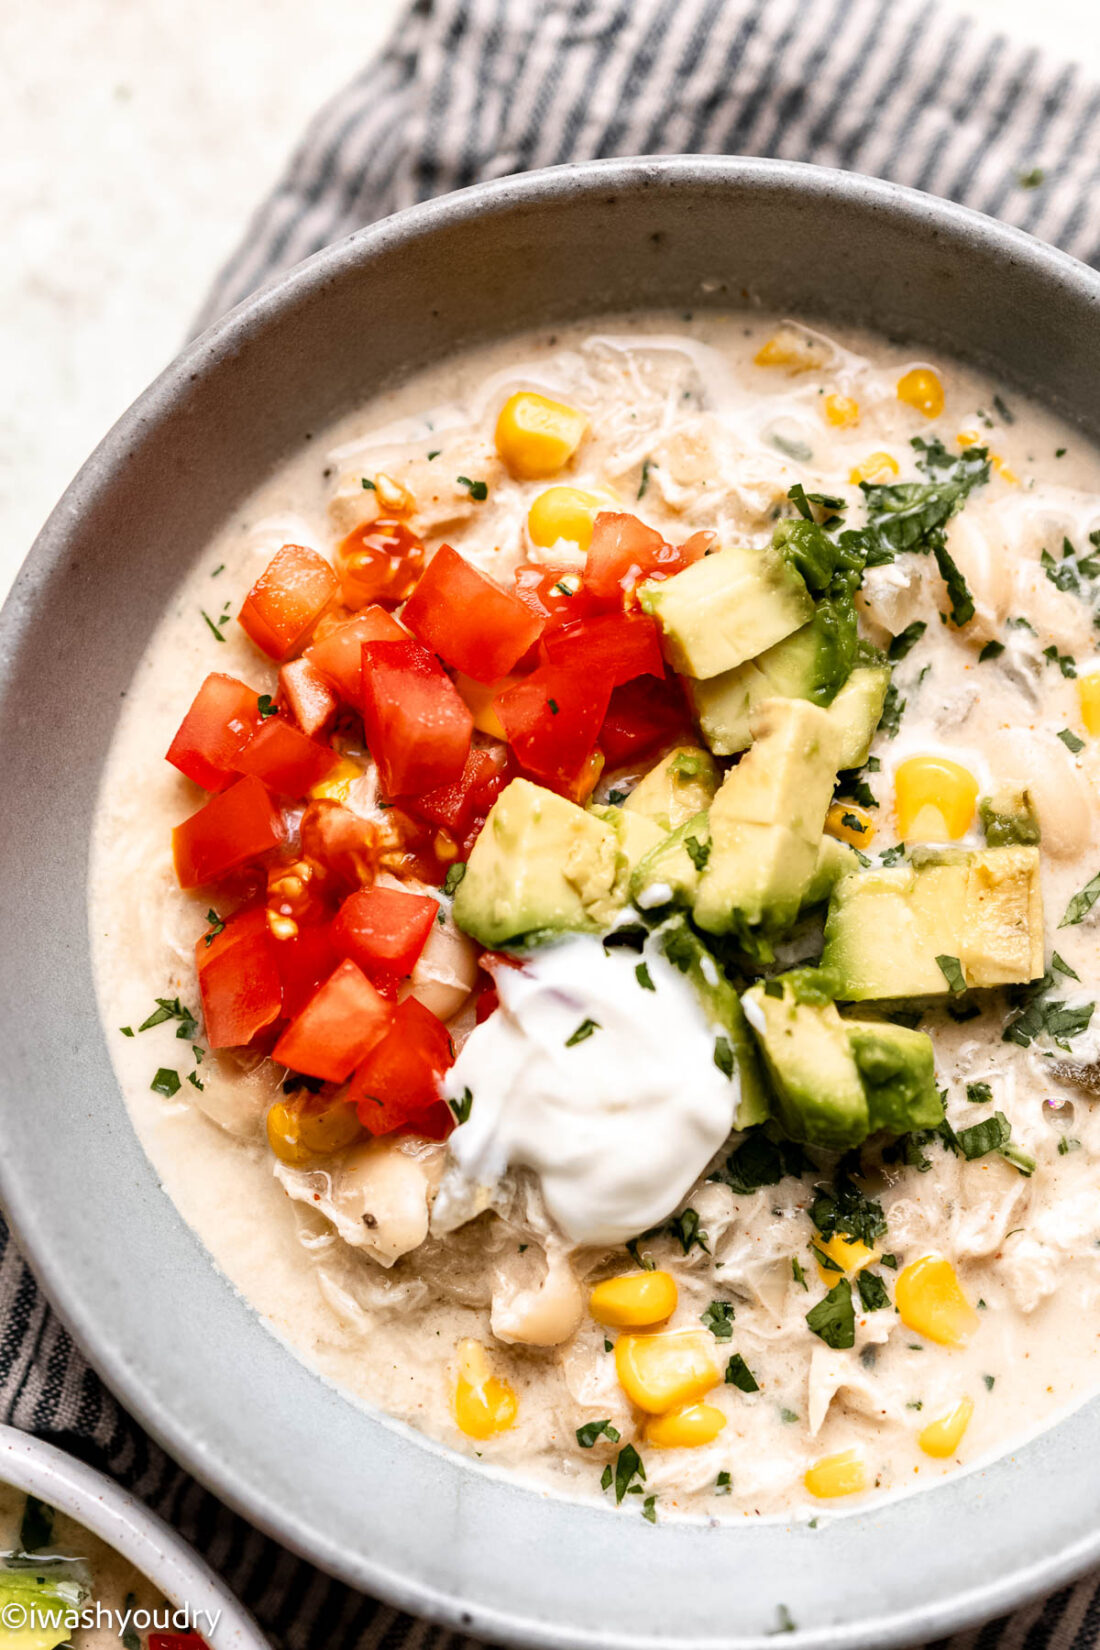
[
  {"x": 620, "y": 645},
  {"x": 383, "y": 931},
  {"x": 285, "y": 759},
  {"x": 417, "y": 726},
  {"x": 379, "y": 562},
  {"x": 339, "y": 655},
  {"x": 552, "y": 719},
  {"x": 223, "y": 717},
  {"x": 304, "y": 963},
  {"x": 624, "y": 551},
  {"x": 549, "y": 593},
  {"x": 434, "y": 1124},
  {"x": 238, "y": 979},
  {"x": 472, "y": 794},
  {"x": 643, "y": 714},
  {"x": 312, "y": 702},
  {"x": 237, "y": 826},
  {"x": 468, "y": 620},
  {"x": 176, "y": 1641},
  {"x": 341, "y": 1023},
  {"x": 487, "y": 1003},
  {"x": 287, "y": 600},
  {"x": 400, "y": 1079}
]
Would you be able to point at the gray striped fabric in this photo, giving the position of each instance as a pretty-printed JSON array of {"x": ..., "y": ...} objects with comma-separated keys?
[{"x": 474, "y": 89}]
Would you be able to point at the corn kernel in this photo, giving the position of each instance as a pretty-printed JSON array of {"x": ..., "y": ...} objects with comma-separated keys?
[
  {"x": 929, "y": 1299},
  {"x": 298, "y": 1131},
  {"x": 968, "y": 438},
  {"x": 336, "y": 785},
  {"x": 839, "y": 823},
  {"x": 1088, "y": 692},
  {"x": 392, "y": 495},
  {"x": 942, "y": 1438},
  {"x": 483, "y": 1404},
  {"x": 662, "y": 1372},
  {"x": 536, "y": 436},
  {"x": 635, "y": 1300},
  {"x": 834, "y": 1475},
  {"x": 921, "y": 388},
  {"x": 479, "y": 697},
  {"x": 875, "y": 467},
  {"x": 685, "y": 1428},
  {"x": 791, "y": 349},
  {"x": 850, "y": 1255},
  {"x": 565, "y": 513},
  {"x": 841, "y": 411},
  {"x": 934, "y": 799},
  {"x": 283, "y": 1136},
  {"x": 282, "y": 928}
]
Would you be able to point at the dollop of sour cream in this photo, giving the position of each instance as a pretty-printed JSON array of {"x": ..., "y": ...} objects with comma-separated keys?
[{"x": 606, "y": 1089}]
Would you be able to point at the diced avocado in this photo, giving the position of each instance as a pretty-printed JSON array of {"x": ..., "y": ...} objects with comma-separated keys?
[
  {"x": 856, "y": 711},
  {"x": 727, "y": 608},
  {"x": 886, "y": 928},
  {"x": 836, "y": 1081},
  {"x": 37, "y": 1599},
  {"x": 686, "y": 951},
  {"x": 669, "y": 873},
  {"x": 818, "y": 1093},
  {"x": 541, "y": 863},
  {"x": 835, "y": 859},
  {"x": 1008, "y": 818},
  {"x": 637, "y": 836},
  {"x": 680, "y": 786},
  {"x": 766, "y": 822},
  {"x": 801, "y": 666},
  {"x": 897, "y": 1066}
]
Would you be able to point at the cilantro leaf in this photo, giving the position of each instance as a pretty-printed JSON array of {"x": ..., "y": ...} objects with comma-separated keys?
[
  {"x": 718, "y": 1318},
  {"x": 906, "y": 641},
  {"x": 872, "y": 1291},
  {"x": 587, "y": 1435},
  {"x": 1081, "y": 903},
  {"x": 833, "y": 1319},
  {"x": 739, "y": 1374}
]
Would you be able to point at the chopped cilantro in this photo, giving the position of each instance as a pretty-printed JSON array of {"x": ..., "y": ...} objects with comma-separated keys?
[
  {"x": 989, "y": 1380},
  {"x": 455, "y": 874},
  {"x": 1068, "y": 1144},
  {"x": 1081, "y": 903},
  {"x": 893, "y": 708},
  {"x": 170, "y": 1008},
  {"x": 368, "y": 486},
  {"x": 723, "y": 1056},
  {"x": 991, "y": 650},
  {"x": 891, "y": 856},
  {"x": 906, "y": 641},
  {"x": 479, "y": 490},
  {"x": 833, "y": 1319},
  {"x": 266, "y": 706},
  {"x": 718, "y": 1318},
  {"x": 127, "y": 1031},
  {"x": 1065, "y": 661},
  {"x": 193, "y": 1077},
  {"x": 958, "y": 591},
  {"x": 797, "y": 1273},
  {"x": 553, "y": 704},
  {"x": 1000, "y": 406},
  {"x": 1071, "y": 741},
  {"x": 587, "y": 1435},
  {"x": 1062, "y": 967},
  {"x": 685, "y": 1228},
  {"x": 872, "y": 1291},
  {"x": 698, "y": 852},
  {"x": 951, "y": 969},
  {"x": 217, "y": 926},
  {"x": 760, "y": 1161},
  {"x": 583, "y": 1032},
  {"x": 643, "y": 484},
  {"x": 787, "y": 1416},
  {"x": 628, "y": 1466},
  {"x": 723, "y": 1484},
  {"x": 979, "y": 1094},
  {"x": 845, "y": 1209},
  {"x": 166, "y": 1082},
  {"x": 215, "y": 629},
  {"x": 643, "y": 977},
  {"x": 461, "y": 1106},
  {"x": 649, "y": 1509},
  {"x": 739, "y": 1374}
]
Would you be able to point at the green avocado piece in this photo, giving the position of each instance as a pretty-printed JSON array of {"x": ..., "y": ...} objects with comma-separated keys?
[
  {"x": 637, "y": 836},
  {"x": 897, "y": 1066},
  {"x": 835, "y": 859},
  {"x": 856, "y": 712},
  {"x": 686, "y": 951},
  {"x": 727, "y": 608},
  {"x": 46, "y": 1596},
  {"x": 766, "y": 823},
  {"x": 818, "y": 1093},
  {"x": 540, "y": 864},
  {"x": 982, "y": 908},
  {"x": 680, "y": 786},
  {"x": 1009, "y": 819},
  {"x": 669, "y": 874}
]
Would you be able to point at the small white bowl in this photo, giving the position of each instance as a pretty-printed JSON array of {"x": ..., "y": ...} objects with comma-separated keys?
[{"x": 128, "y": 1526}]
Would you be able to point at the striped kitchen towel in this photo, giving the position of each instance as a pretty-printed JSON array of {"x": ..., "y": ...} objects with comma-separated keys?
[{"x": 475, "y": 89}]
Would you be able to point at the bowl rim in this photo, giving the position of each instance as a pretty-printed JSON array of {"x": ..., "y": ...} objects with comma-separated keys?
[
  {"x": 130, "y": 1528},
  {"x": 407, "y": 1589}
]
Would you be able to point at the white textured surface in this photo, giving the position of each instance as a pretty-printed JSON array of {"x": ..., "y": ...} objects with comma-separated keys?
[{"x": 135, "y": 138}]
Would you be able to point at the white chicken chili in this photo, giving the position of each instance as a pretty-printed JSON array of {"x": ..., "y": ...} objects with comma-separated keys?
[{"x": 607, "y": 966}]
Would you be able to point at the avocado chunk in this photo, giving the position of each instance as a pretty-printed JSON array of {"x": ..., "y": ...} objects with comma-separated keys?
[
  {"x": 856, "y": 712},
  {"x": 1009, "y": 819},
  {"x": 766, "y": 824},
  {"x": 835, "y": 859},
  {"x": 836, "y": 1081},
  {"x": 686, "y": 951},
  {"x": 637, "y": 836},
  {"x": 897, "y": 1066},
  {"x": 727, "y": 608},
  {"x": 887, "y": 928},
  {"x": 540, "y": 865},
  {"x": 44, "y": 1598},
  {"x": 680, "y": 786},
  {"x": 669, "y": 873},
  {"x": 818, "y": 1093}
]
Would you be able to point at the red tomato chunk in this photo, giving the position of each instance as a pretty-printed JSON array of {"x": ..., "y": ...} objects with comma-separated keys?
[
  {"x": 239, "y": 979},
  {"x": 624, "y": 552},
  {"x": 400, "y": 1079},
  {"x": 549, "y": 593},
  {"x": 472, "y": 795},
  {"x": 418, "y": 728},
  {"x": 641, "y": 716},
  {"x": 304, "y": 963},
  {"x": 286, "y": 760},
  {"x": 338, "y": 1026},
  {"x": 287, "y": 600},
  {"x": 339, "y": 655},
  {"x": 237, "y": 826},
  {"x": 552, "y": 719},
  {"x": 383, "y": 931},
  {"x": 222, "y": 719},
  {"x": 468, "y": 620},
  {"x": 176, "y": 1641},
  {"x": 620, "y": 645}
]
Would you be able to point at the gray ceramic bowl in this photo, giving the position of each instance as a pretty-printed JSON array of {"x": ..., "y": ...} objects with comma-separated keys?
[
  {"x": 128, "y": 1526},
  {"x": 367, "y": 1500}
]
